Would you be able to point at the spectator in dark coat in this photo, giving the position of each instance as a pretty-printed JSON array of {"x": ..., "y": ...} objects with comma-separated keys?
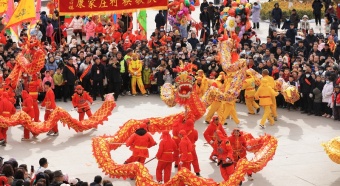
[
  {"x": 159, "y": 19},
  {"x": 211, "y": 12},
  {"x": 294, "y": 18},
  {"x": 317, "y": 6},
  {"x": 193, "y": 40},
  {"x": 203, "y": 5},
  {"x": 69, "y": 75},
  {"x": 277, "y": 14},
  {"x": 307, "y": 84},
  {"x": 114, "y": 80},
  {"x": 204, "y": 17},
  {"x": 291, "y": 33},
  {"x": 286, "y": 23},
  {"x": 310, "y": 40},
  {"x": 97, "y": 78}
]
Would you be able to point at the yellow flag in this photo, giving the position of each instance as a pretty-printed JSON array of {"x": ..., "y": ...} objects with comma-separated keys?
[
  {"x": 3, "y": 6},
  {"x": 24, "y": 12}
]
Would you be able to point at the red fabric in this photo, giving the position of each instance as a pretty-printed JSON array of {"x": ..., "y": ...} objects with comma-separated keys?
[
  {"x": 337, "y": 100},
  {"x": 185, "y": 149},
  {"x": 337, "y": 81},
  {"x": 338, "y": 12},
  {"x": 117, "y": 36},
  {"x": 238, "y": 145},
  {"x": 275, "y": 72},
  {"x": 99, "y": 29},
  {"x": 64, "y": 30},
  {"x": 7, "y": 110},
  {"x": 49, "y": 101},
  {"x": 210, "y": 131},
  {"x": 224, "y": 151},
  {"x": 140, "y": 37},
  {"x": 166, "y": 167},
  {"x": 140, "y": 144},
  {"x": 3, "y": 37},
  {"x": 27, "y": 104},
  {"x": 175, "y": 137},
  {"x": 131, "y": 36},
  {"x": 166, "y": 149},
  {"x": 81, "y": 101}
]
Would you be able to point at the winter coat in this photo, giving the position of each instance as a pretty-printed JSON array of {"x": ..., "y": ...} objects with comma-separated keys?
[
  {"x": 90, "y": 28},
  {"x": 77, "y": 23},
  {"x": 277, "y": 14},
  {"x": 304, "y": 25},
  {"x": 317, "y": 95},
  {"x": 327, "y": 92},
  {"x": 256, "y": 13},
  {"x": 317, "y": 5},
  {"x": 159, "y": 20},
  {"x": 294, "y": 18}
]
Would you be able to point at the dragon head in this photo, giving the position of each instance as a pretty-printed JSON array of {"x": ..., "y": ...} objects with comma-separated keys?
[{"x": 184, "y": 83}]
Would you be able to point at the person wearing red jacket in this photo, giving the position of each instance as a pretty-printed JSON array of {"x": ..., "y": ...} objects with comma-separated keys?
[
  {"x": 165, "y": 157},
  {"x": 209, "y": 134},
  {"x": 129, "y": 35},
  {"x": 49, "y": 104},
  {"x": 7, "y": 109},
  {"x": 79, "y": 100},
  {"x": 27, "y": 106},
  {"x": 239, "y": 145},
  {"x": 33, "y": 90},
  {"x": 139, "y": 143},
  {"x": 175, "y": 136},
  {"x": 193, "y": 136},
  {"x": 224, "y": 155},
  {"x": 9, "y": 88},
  {"x": 99, "y": 29},
  {"x": 185, "y": 150}
]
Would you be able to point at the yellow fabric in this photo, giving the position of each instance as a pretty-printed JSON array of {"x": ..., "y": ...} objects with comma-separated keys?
[
  {"x": 251, "y": 104},
  {"x": 139, "y": 81},
  {"x": 267, "y": 115},
  {"x": 249, "y": 87},
  {"x": 4, "y": 5},
  {"x": 270, "y": 80},
  {"x": 228, "y": 108},
  {"x": 265, "y": 93},
  {"x": 24, "y": 12},
  {"x": 273, "y": 106},
  {"x": 213, "y": 108},
  {"x": 135, "y": 66}
]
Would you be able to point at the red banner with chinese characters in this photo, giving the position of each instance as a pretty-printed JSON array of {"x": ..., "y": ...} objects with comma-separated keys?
[{"x": 94, "y": 7}]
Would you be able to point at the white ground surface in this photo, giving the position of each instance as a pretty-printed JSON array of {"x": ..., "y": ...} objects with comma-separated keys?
[{"x": 299, "y": 160}]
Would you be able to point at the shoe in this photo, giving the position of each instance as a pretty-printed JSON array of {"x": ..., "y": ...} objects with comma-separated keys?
[
  {"x": 148, "y": 92},
  {"x": 258, "y": 110},
  {"x": 262, "y": 126},
  {"x": 324, "y": 115},
  {"x": 176, "y": 166},
  {"x": 50, "y": 133},
  {"x": 55, "y": 134},
  {"x": 207, "y": 122},
  {"x": 2, "y": 141},
  {"x": 146, "y": 95},
  {"x": 25, "y": 139},
  {"x": 251, "y": 113},
  {"x": 250, "y": 178},
  {"x": 35, "y": 137},
  {"x": 133, "y": 95},
  {"x": 309, "y": 114},
  {"x": 212, "y": 160},
  {"x": 328, "y": 116},
  {"x": 225, "y": 123},
  {"x": 128, "y": 93},
  {"x": 160, "y": 182},
  {"x": 65, "y": 100},
  {"x": 94, "y": 98},
  {"x": 275, "y": 118},
  {"x": 103, "y": 99},
  {"x": 198, "y": 174},
  {"x": 240, "y": 183}
]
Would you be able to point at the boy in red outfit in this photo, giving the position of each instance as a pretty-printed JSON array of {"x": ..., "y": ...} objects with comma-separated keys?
[
  {"x": 139, "y": 144},
  {"x": 27, "y": 106},
  {"x": 225, "y": 155},
  {"x": 165, "y": 157},
  {"x": 49, "y": 104},
  {"x": 209, "y": 134},
  {"x": 193, "y": 136},
  {"x": 185, "y": 150},
  {"x": 7, "y": 109},
  {"x": 79, "y": 100},
  {"x": 33, "y": 88},
  {"x": 238, "y": 143}
]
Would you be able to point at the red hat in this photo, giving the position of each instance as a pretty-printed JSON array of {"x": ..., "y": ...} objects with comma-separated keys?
[
  {"x": 79, "y": 87},
  {"x": 3, "y": 181},
  {"x": 24, "y": 94}
]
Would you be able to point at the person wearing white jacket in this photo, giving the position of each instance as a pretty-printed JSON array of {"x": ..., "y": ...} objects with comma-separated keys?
[
  {"x": 327, "y": 98},
  {"x": 77, "y": 25}
]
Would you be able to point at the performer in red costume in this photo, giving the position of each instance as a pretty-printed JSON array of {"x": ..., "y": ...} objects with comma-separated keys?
[
  {"x": 209, "y": 134},
  {"x": 79, "y": 100},
  {"x": 224, "y": 155},
  {"x": 185, "y": 150},
  {"x": 27, "y": 106},
  {"x": 165, "y": 157},
  {"x": 193, "y": 136},
  {"x": 238, "y": 143},
  {"x": 176, "y": 127},
  {"x": 139, "y": 143},
  {"x": 49, "y": 104},
  {"x": 33, "y": 88},
  {"x": 7, "y": 109},
  {"x": 9, "y": 88}
]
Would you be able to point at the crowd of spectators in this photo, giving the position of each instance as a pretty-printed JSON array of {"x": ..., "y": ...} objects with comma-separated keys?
[{"x": 14, "y": 174}]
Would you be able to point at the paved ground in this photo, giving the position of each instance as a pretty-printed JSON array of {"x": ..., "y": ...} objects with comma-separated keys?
[{"x": 299, "y": 160}]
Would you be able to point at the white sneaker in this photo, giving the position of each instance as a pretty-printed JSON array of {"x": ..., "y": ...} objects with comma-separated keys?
[
  {"x": 250, "y": 178},
  {"x": 128, "y": 93},
  {"x": 55, "y": 134},
  {"x": 146, "y": 95},
  {"x": 50, "y": 133}
]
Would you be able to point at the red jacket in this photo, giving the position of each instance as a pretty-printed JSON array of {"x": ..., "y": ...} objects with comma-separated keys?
[
  {"x": 210, "y": 131},
  {"x": 27, "y": 104},
  {"x": 140, "y": 142},
  {"x": 6, "y": 107},
  {"x": 33, "y": 88},
  {"x": 49, "y": 101},
  {"x": 185, "y": 149},
  {"x": 224, "y": 151},
  {"x": 239, "y": 146},
  {"x": 338, "y": 12},
  {"x": 80, "y": 101},
  {"x": 336, "y": 99},
  {"x": 166, "y": 148}
]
